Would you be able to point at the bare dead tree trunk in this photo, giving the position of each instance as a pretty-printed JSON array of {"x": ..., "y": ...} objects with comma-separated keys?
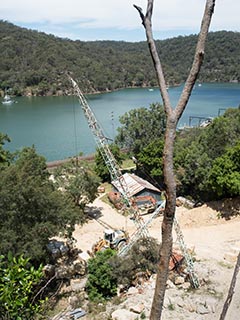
[
  {"x": 231, "y": 289},
  {"x": 173, "y": 116}
]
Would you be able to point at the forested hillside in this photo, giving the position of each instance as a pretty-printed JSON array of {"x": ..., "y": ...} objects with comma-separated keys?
[{"x": 35, "y": 63}]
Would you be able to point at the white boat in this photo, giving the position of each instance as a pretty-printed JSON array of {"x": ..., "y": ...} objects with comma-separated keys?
[{"x": 7, "y": 99}]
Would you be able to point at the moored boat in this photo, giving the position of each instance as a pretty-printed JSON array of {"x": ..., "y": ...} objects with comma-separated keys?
[{"x": 7, "y": 99}]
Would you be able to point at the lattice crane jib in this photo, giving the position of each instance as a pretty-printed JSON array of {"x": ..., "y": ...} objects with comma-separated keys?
[
  {"x": 187, "y": 256},
  {"x": 109, "y": 159},
  {"x": 116, "y": 174}
]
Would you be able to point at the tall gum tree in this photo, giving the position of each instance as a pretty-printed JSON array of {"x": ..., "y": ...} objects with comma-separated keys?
[{"x": 173, "y": 115}]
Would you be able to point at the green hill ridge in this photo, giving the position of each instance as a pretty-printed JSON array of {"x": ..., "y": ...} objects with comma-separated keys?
[{"x": 34, "y": 63}]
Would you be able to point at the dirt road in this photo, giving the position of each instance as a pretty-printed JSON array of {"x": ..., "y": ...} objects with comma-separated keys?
[
  {"x": 201, "y": 229},
  {"x": 215, "y": 241}
]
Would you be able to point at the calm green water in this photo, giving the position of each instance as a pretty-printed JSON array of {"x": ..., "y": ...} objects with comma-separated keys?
[{"x": 58, "y": 128}]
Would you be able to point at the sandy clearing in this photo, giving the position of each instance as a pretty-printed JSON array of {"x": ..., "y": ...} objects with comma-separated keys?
[
  {"x": 201, "y": 229},
  {"x": 212, "y": 238}
]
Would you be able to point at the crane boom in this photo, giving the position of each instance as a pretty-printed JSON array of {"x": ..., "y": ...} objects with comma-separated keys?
[
  {"x": 117, "y": 175},
  {"x": 109, "y": 159}
]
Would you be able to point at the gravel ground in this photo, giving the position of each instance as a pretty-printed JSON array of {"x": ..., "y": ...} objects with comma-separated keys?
[{"x": 216, "y": 243}]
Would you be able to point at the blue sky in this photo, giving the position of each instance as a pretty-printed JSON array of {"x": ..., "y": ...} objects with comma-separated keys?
[{"x": 116, "y": 19}]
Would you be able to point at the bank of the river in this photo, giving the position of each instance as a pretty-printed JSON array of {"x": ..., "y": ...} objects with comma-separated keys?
[
  {"x": 29, "y": 92},
  {"x": 57, "y": 163}
]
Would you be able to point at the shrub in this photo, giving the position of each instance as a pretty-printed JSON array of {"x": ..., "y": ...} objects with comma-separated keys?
[
  {"x": 142, "y": 258},
  {"x": 101, "y": 282},
  {"x": 18, "y": 284}
]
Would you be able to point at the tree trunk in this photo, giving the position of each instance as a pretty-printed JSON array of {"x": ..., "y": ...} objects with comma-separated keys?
[
  {"x": 167, "y": 224},
  {"x": 173, "y": 116}
]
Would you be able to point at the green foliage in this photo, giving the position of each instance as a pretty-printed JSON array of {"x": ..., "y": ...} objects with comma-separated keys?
[
  {"x": 143, "y": 315},
  {"x": 101, "y": 283},
  {"x": 5, "y": 156},
  {"x": 18, "y": 284},
  {"x": 106, "y": 269},
  {"x": 195, "y": 150},
  {"x": 140, "y": 127},
  {"x": 192, "y": 170},
  {"x": 224, "y": 177},
  {"x": 150, "y": 160},
  {"x": 33, "y": 62},
  {"x": 79, "y": 181},
  {"x": 222, "y": 133},
  {"x": 142, "y": 257},
  {"x": 200, "y": 154},
  {"x": 31, "y": 209},
  {"x": 101, "y": 168}
]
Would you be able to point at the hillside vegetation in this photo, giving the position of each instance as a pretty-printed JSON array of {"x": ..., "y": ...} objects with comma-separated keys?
[
  {"x": 34, "y": 63},
  {"x": 206, "y": 159}
]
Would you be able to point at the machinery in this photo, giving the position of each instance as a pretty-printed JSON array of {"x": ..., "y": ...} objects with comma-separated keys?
[
  {"x": 110, "y": 161},
  {"x": 114, "y": 239},
  {"x": 144, "y": 204}
]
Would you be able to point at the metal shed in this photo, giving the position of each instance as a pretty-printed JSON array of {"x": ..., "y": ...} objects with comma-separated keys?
[{"x": 138, "y": 187}]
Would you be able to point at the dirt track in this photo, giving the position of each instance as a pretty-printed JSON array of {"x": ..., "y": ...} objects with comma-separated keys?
[
  {"x": 214, "y": 240},
  {"x": 201, "y": 227}
]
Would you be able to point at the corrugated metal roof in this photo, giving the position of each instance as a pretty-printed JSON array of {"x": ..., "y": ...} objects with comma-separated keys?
[{"x": 135, "y": 184}]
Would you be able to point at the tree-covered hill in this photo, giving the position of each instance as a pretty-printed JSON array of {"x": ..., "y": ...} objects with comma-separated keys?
[{"x": 35, "y": 63}]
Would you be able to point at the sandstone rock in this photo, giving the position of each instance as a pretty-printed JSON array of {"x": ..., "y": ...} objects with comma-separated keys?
[
  {"x": 123, "y": 314},
  {"x": 132, "y": 290},
  {"x": 170, "y": 284},
  {"x": 186, "y": 285},
  {"x": 78, "y": 284},
  {"x": 73, "y": 301},
  {"x": 49, "y": 270},
  {"x": 201, "y": 309},
  {"x": 211, "y": 306},
  {"x": 153, "y": 277},
  {"x": 84, "y": 256},
  {"x": 169, "y": 301},
  {"x": 120, "y": 290},
  {"x": 79, "y": 267},
  {"x": 230, "y": 257},
  {"x": 62, "y": 272},
  {"x": 179, "y": 280},
  {"x": 137, "y": 308},
  {"x": 191, "y": 307},
  {"x": 180, "y": 303},
  {"x": 235, "y": 249}
]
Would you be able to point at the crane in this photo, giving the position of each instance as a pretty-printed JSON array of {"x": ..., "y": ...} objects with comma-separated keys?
[
  {"x": 109, "y": 159},
  {"x": 116, "y": 174}
]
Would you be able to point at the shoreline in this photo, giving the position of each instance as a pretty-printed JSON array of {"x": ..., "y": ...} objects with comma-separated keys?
[
  {"x": 89, "y": 157},
  {"x": 57, "y": 163},
  {"x": 71, "y": 93},
  {"x": 95, "y": 92}
]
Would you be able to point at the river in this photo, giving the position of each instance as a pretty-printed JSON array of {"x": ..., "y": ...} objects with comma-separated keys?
[{"x": 58, "y": 129}]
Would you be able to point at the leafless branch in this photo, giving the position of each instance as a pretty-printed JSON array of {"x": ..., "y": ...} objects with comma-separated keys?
[
  {"x": 41, "y": 290},
  {"x": 231, "y": 289},
  {"x": 147, "y": 23},
  {"x": 198, "y": 58}
]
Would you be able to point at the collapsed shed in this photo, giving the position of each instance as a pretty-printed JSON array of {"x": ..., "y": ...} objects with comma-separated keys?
[{"x": 143, "y": 193}]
